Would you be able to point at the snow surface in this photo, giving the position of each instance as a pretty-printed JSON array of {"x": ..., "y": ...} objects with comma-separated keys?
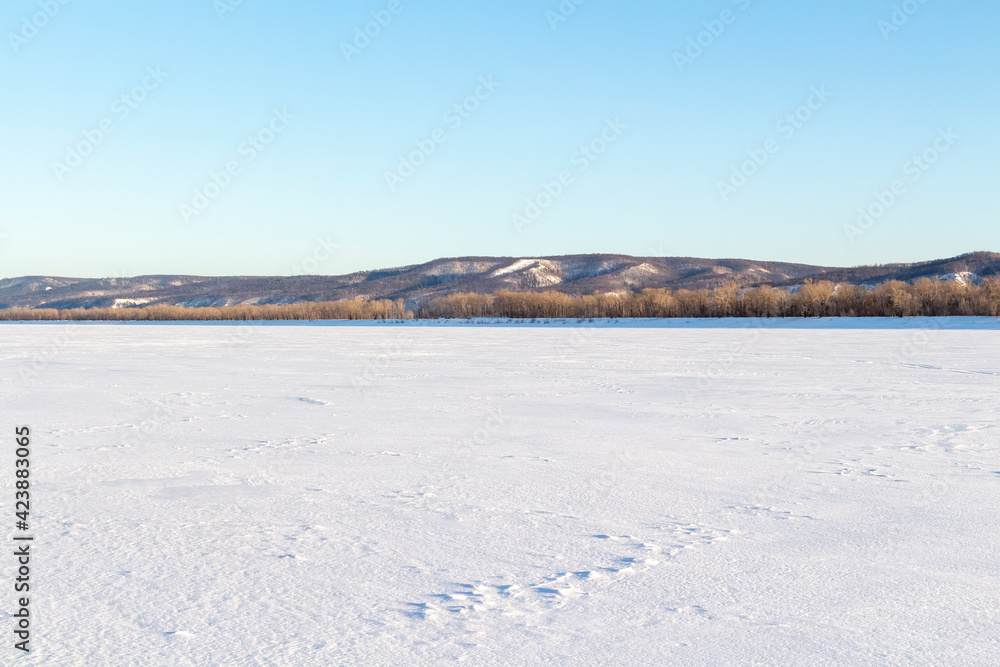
[{"x": 715, "y": 493}]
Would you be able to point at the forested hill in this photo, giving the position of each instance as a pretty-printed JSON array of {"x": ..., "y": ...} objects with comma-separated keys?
[{"x": 421, "y": 283}]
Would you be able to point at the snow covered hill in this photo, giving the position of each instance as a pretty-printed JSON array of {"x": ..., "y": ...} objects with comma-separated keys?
[{"x": 576, "y": 274}]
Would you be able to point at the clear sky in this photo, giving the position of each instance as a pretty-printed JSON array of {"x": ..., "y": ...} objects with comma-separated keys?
[{"x": 226, "y": 137}]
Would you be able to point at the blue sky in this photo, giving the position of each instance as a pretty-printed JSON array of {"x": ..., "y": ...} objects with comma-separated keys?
[{"x": 260, "y": 137}]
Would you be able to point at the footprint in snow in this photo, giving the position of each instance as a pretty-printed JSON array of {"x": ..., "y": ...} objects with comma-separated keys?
[
  {"x": 630, "y": 557},
  {"x": 311, "y": 401}
]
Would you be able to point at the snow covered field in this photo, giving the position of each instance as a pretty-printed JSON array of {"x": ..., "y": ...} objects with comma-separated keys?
[{"x": 741, "y": 493}]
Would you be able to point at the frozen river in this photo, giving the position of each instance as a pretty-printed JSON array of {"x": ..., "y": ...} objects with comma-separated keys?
[{"x": 696, "y": 493}]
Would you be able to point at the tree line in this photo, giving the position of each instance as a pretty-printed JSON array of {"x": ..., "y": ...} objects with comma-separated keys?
[
  {"x": 925, "y": 297},
  {"x": 307, "y": 310}
]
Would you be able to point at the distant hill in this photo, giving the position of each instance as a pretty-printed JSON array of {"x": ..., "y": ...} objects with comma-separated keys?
[{"x": 417, "y": 284}]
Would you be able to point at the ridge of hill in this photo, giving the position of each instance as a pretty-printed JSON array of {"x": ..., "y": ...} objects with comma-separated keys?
[{"x": 419, "y": 283}]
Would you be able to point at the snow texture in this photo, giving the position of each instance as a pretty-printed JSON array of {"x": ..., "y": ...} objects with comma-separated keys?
[{"x": 631, "y": 493}]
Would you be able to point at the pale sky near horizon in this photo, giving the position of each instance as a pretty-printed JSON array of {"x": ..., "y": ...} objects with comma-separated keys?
[{"x": 223, "y": 137}]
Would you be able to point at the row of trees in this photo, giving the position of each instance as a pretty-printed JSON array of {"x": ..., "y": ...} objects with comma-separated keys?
[
  {"x": 927, "y": 297},
  {"x": 326, "y": 310}
]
